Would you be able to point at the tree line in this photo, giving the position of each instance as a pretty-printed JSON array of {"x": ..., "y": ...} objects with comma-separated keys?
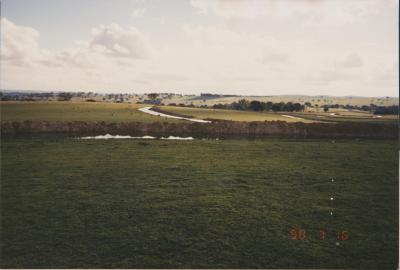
[
  {"x": 253, "y": 105},
  {"x": 386, "y": 110}
]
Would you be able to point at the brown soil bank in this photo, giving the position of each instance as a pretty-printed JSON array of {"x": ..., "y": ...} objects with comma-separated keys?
[{"x": 215, "y": 129}]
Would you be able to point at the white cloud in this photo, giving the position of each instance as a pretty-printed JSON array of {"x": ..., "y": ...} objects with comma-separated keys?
[
  {"x": 120, "y": 42},
  {"x": 385, "y": 73},
  {"x": 201, "y": 56},
  {"x": 226, "y": 8},
  {"x": 19, "y": 44},
  {"x": 139, "y": 12},
  {"x": 352, "y": 60},
  {"x": 306, "y": 12},
  {"x": 273, "y": 56},
  {"x": 108, "y": 44},
  {"x": 80, "y": 57},
  {"x": 107, "y": 60},
  {"x": 339, "y": 69}
]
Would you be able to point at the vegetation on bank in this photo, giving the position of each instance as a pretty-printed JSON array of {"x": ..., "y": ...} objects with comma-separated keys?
[{"x": 216, "y": 129}]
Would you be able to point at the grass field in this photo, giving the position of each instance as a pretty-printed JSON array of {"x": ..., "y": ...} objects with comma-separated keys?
[
  {"x": 347, "y": 116},
  {"x": 306, "y": 117},
  {"x": 76, "y": 111},
  {"x": 69, "y": 203},
  {"x": 201, "y": 113},
  {"x": 119, "y": 112}
]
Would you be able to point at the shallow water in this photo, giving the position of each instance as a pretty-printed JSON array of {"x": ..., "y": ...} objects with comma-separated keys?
[
  {"x": 149, "y": 111},
  {"x": 109, "y": 136},
  {"x": 177, "y": 138},
  {"x": 289, "y": 116}
]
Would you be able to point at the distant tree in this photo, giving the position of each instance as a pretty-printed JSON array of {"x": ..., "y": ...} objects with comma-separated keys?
[
  {"x": 153, "y": 96},
  {"x": 64, "y": 96},
  {"x": 243, "y": 104},
  {"x": 219, "y": 106},
  {"x": 386, "y": 110},
  {"x": 276, "y": 107},
  {"x": 268, "y": 106},
  {"x": 297, "y": 107},
  {"x": 326, "y": 108},
  {"x": 256, "y": 105},
  {"x": 234, "y": 106},
  {"x": 288, "y": 107},
  {"x": 365, "y": 108}
]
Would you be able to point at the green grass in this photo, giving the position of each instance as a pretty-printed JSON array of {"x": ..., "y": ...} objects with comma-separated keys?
[
  {"x": 76, "y": 111},
  {"x": 306, "y": 117},
  {"x": 69, "y": 203},
  {"x": 117, "y": 112},
  {"x": 233, "y": 115}
]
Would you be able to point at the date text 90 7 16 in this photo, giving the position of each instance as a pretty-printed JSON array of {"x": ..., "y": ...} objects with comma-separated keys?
[{"x": 302, "y": 234}]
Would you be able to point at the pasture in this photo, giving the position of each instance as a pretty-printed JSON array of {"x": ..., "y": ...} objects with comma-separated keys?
[
  {"x": 305, "y": 117},
  {"x": 68, "y": 203},
  {"x": 232, "y": 115},
  {"x": 125, "y": 112},
  {"x": 76, "y": 111}
]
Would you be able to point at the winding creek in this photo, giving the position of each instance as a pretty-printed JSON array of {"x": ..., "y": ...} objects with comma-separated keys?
[{"x": 149, "y": 111}]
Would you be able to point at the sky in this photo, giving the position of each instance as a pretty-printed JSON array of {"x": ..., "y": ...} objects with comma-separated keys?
[{"x": 245, "y": 47}]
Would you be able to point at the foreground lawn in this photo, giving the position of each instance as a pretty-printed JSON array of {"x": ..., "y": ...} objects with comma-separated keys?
[
  {"x": 76, "y": 111},
  {"x": 218, "y": 204}
]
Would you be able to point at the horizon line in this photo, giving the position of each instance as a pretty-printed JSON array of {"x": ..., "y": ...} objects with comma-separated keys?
[{"x": 191, "y": 94}]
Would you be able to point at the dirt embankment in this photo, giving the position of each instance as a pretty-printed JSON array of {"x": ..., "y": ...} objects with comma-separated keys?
[{"x": 215, "y": 129}]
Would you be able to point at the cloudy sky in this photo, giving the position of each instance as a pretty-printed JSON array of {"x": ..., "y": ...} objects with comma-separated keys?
[{"x": 260, "y": 47}]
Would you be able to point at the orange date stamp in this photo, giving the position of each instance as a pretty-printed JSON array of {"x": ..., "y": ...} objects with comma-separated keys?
[{"x": 302, "y": 234}]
